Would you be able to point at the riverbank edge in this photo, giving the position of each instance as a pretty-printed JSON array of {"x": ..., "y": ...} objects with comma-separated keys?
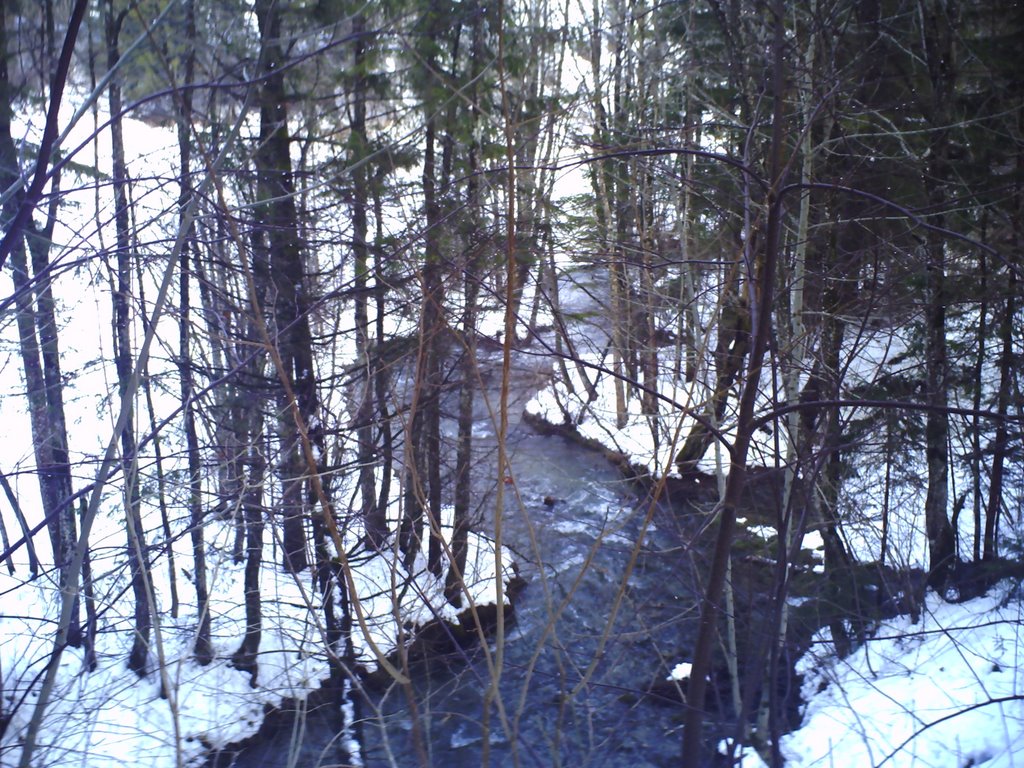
[
  {"x": 440, "y": 638},
  {"x": 437, "y": 639},
  {"x": 695, "y": 486}
]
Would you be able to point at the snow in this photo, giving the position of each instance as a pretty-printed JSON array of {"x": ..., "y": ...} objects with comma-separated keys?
[
  {"x": 680, "y": 671},
  {"x": 108, "y": 717},
  {"x": 815, "y": 543},
  {"x": 747, "y": 756},
  {"x": 762, "y": 531},
  {"x": 419, "y": 600},
  {"x": 947, "y": 691}
]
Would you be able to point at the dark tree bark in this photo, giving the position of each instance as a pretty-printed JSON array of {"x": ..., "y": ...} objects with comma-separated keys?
[
  {"x": 381, "y": 377},
  {"x": 158, "y": 457},
  {"x": 976, "y": 424},
  {"x": 376, "y": 518},
  {"x": 1000, "y": 444},
  {"x": 433, "y": 325},
  {"x": 203, "y": 646},
  {"x": 246, "y": 657},
  {"x": 138, "y": 658},
  {"x": 473, "y": 243},
  {"x": 277, "y": 227},
  {"x": 940, "y": 58},
  {"x": 423, "y": 442},
  {"x": 12, "y": 499},
  {"x": 38, "y": 342}
]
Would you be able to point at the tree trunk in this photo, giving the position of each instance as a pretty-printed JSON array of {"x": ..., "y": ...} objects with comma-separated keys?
[
  {"x": 40, "y": 353},
  {"x": 247, "y": 655},
  {"x": 138, "y": 658},
  {"x": 433, "y": 327},
  {"x": 423, "y": 445},
  {"x": 979, "y": 369},
  {"x": 381, "y": 383},
  {"x": 473, "y": 245},
  {"x": 939, "y": 37},
  {"x": 376, "y": 519},
  {"x": 23, "y": 525},
  {"x": 1000, "y": 444},
  {"x": 158, "y": 459},
  {"x": 603, "y": 184},
  {"x": 277, "y": 227},
  {"x": 203, "y": 646}
]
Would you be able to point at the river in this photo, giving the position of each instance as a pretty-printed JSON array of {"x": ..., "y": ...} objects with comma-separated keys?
[{"x": 577, "y": 688}]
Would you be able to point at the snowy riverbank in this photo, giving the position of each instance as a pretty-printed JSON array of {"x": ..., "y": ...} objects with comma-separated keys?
[
  {"x": 945, "y": 691},
  {"x": 107, "y": 717}
]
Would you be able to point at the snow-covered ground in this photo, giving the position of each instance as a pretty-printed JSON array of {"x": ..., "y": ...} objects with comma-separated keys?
[
  {"x": 945, "y": 692},
  {"x": 651, "y": 444},
  {"x": 108, "y": 717}
]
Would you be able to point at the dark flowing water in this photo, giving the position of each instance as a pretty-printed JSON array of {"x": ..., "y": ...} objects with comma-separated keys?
[
  {"x": 578, "y": 687},
  {"x": 564, "y": 702}
]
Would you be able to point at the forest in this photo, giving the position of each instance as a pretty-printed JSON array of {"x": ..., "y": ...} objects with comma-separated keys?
[{"x": 511, "y": 383}]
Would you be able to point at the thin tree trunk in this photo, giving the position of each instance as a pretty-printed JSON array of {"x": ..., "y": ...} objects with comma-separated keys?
[
  {"x": 376, "y": 519},
  {"x": 433, "y": 323},
  {"x": 883, "y": 550},
  {"x": 33, "y": 565},
  {"x": 88, "y": 588},
  {"x": 138, "y": 657},
  {"x": 940, "y": 44},
  {"x": 761, "y": 332},
  {"x": 1000, "y": 444},
  {"x": 979, "y": 368},
  {"x": 1006, "y": 363},
  {"x": 603, "y": 184},
  {"x": 423, "y": 443},
  {"x": 941, "y": 545},
  {"x": 246, "y": 657},
  {"x": 33, "y": 558},
  {"x": 454, "y": 584},
  {"x": 381, "y": 377},
  {"x": 158, "y": 459},
  {"x": 203, "y": 645},
  {"x": 37, "y": 336}
]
